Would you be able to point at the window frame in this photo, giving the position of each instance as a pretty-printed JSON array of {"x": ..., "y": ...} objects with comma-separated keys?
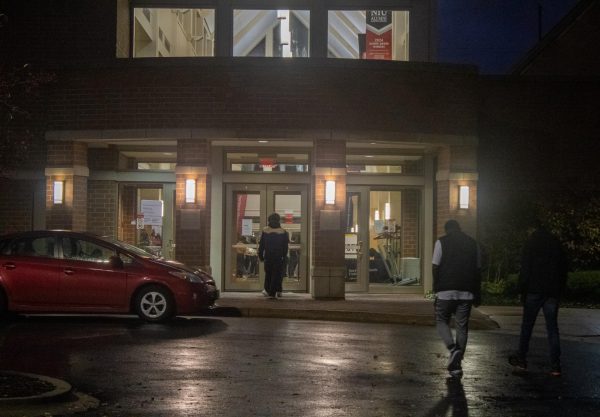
[{"x": 318, "y": 29}]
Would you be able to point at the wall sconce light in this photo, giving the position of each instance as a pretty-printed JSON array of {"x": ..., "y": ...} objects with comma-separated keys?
[
  {"x": 463, "y": 197},
  {"x": 58, "y": 192},
  {"x": 388, "y": 211},
  {"x": 329, "y": 192},
  {"x": 190, "y": 191}
]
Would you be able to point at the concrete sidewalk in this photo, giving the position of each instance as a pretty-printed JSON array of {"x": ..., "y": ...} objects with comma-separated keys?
[
  {"x": 374, "y": 308},
  {"x": 580, "y": 324}
]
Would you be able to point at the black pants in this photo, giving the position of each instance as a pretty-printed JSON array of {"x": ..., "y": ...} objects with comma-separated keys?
[{"x": 273, "y": 276}]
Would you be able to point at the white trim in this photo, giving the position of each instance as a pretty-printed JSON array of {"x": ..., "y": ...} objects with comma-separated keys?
[
  {"x": 75, "y": 170},
  {"x": 329, "y": 171},
  {"x": 190, "y": 170},
  {"x": 446, "y": 175},
  {"x": 133, "y": 176}
]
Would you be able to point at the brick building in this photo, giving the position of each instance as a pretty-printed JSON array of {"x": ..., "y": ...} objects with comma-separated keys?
[{"x": 179, "y": 126}]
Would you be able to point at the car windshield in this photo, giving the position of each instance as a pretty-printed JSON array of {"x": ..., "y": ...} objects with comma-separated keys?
[{"x": 128, "y": 247}]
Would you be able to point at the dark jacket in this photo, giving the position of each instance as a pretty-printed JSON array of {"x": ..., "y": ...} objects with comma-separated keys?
[
  {"x": 543, "y": 265},
  {"x": 458, "y": 269},
  {"x": 273, "y": 246}
]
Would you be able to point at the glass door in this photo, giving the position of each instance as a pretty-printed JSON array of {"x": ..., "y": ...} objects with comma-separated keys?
[
  {"x": 356, "y": 234},
  {"x": 146, "y": 217},
  {"x": 247, "y": 209},
  {"x": 394, "y": 239},
  {"x": 383, "y": 246}
]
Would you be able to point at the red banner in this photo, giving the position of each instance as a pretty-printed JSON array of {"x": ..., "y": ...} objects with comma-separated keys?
[
  {"x": 379, "y": 35},
  {"x": 241, "y": 211}
]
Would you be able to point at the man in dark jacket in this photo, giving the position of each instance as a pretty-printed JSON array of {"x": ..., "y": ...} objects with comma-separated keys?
[
  {"x": 542, "y": 281},
  {"x": 272, "y": 250},
  {"x": 457, "y": 284}
]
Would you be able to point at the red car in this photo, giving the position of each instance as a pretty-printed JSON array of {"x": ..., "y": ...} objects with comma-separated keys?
[{"x": 58, "y": 271}]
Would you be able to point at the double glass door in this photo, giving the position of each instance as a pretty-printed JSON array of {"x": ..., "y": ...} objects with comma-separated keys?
[
  {"x": 247, "y": 209},
  {"x": 383, "y": 229}
]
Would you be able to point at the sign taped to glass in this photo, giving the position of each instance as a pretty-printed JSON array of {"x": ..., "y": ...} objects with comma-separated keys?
[{"x": 152, "y": 211}]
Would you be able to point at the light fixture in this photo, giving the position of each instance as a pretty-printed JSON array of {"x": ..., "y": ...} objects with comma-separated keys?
[
  {"x": 463, "y": 197},
  {"x": 376, "y": 215},
  {"x": 58, "y": 192},
  {"x": 329, "y": 192},
  {"x": 190, "y": 190},
  {"x": 388, "y": 211}
]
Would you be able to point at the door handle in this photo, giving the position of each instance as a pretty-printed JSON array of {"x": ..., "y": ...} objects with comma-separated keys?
[
  {"x": 69, "y": 271},
  {"x": 9, "y": 266}
]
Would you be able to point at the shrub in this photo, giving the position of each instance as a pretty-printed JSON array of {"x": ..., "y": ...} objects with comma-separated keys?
[
  {"x": 583, "y": 286},
  {"x": 501, "y": 291}
]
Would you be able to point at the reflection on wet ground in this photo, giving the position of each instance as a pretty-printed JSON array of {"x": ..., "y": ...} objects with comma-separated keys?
[{"x": 273, "y": 367}]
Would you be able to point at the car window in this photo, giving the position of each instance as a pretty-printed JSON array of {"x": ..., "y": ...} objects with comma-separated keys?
[
  {"x": 32, "y": 246},
  {"x": 138, "y": 251},
  {"x": 127, "y": 260},
  {"x": 85, "y": 250}
]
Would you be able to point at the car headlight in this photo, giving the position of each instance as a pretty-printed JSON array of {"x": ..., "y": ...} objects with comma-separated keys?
[{"x": 186, "y": 276}]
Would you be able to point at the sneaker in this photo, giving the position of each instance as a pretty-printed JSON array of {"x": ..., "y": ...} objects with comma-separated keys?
[
  {"x": 518, "y": 362},
  {"x": 454, "y": 359},
  {"x": 555, "y": 371},
  {"x": 265, "y": 293},
  {"x": 278, "y": 294}
]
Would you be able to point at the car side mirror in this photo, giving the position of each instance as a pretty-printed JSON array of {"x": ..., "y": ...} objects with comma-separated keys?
[{"x": 116, "y": 262}]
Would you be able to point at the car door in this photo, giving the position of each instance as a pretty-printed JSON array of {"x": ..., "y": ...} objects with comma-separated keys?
[
  {"x": 29, "y": 270},
  {"x": 88, "y": 282}
]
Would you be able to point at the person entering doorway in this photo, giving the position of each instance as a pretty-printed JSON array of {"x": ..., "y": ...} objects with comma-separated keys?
[{"x": 272, "y": 250}]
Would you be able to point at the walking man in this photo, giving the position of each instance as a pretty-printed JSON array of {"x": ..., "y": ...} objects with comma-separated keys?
[
  {"x": 457, "y": 285},
  {"x": 272, "y": 250},
  {"x": 542, "y": 281}
]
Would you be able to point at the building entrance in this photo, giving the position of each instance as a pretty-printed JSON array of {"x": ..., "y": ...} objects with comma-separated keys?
[
  {"x": 247, "y": 209},
  {"x": 146, "y": 217},
  {"x": 383, "y": 228}
]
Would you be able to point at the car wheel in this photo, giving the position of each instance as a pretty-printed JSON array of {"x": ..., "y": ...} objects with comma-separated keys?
[{"x": 154, "y": 304}]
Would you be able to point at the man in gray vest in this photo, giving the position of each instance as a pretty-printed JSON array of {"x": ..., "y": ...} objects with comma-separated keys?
[{"x": 457, "y": 285}]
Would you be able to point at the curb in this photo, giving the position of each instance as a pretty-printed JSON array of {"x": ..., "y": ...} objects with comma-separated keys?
[
  {"x": 61, "y": 389},
  {"x": 476, "y": 323}
]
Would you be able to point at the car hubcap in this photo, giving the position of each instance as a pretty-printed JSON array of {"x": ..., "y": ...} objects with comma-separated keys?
[{"x": 153, "y": 304}]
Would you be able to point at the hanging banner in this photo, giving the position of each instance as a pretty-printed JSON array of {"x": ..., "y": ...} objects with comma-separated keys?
[{"x": 379, "y": 35}]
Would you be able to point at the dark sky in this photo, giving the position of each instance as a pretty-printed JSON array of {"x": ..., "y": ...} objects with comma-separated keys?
[{"x": 493, "y": 34}]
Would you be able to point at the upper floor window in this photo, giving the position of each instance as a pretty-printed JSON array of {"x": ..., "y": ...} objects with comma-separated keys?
[
  {"x": 368, "y": 34},
  {"x": 156, "y": 166},
  {"x": 366, "y": 163},
  {"x": 159, "y": 32},
  {"x": 271, "y": 33},
  {"x": 265, "y": 161}
]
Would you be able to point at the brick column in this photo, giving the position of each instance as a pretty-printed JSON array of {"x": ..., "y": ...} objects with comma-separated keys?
[
  {"x": 67, "y": 163},
  {"x": 457, "y": 166},
  {"x": 192, "y": 219},
  {"x": 328, "y": 265}
]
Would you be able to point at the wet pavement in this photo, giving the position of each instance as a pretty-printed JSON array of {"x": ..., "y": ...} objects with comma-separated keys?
[{"x": 246, "y": 366}]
